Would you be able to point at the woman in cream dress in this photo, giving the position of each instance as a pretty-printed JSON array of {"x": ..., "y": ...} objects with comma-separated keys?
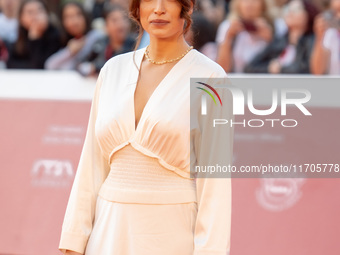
[{"x": 133, "y": 193}]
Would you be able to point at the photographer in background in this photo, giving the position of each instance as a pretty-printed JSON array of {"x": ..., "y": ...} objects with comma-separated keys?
[
  {"x": 326, "y": 53},
  {"x": 246, "y": 32},
  {"x": 37, "y": 39},
  {"x": 118, "y": 40},
  {"x": 213, "y": 10},
  {"x": 291, "y": 52},
  {"x": 79, "y": 39}
]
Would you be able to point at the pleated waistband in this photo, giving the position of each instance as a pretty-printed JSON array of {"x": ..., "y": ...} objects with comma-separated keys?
[{"x": 138, "y": 178}]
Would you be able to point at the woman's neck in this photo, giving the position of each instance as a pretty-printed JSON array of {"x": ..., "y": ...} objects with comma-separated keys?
[{"x": 161, "y": 50}]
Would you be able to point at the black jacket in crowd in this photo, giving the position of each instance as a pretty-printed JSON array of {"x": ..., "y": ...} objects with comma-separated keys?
[
  {"x": 101, "y": 50},
  {"x": 301, "y": 63},
  {"x": 35, "y": 51}
]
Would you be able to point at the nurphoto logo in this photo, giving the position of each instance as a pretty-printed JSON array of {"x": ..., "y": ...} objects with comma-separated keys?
[{"x": 240, "y": 101}]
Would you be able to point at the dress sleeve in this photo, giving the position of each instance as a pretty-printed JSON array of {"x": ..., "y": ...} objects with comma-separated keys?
[
  {"x": 215, "y": 146},
  {"x": 91, "y": 173}
]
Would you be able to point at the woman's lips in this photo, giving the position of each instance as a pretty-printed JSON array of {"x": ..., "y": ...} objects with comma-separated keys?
[{"x": 159, "y": 22}]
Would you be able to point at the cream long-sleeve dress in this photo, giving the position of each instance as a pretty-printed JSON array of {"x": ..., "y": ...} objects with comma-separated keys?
[{"x": 133, "y": 193}]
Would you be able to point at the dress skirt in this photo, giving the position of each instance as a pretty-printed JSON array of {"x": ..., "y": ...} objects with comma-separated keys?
[
  {"x": 129, "y": 228},
  {"x": 142, "y": 229}
]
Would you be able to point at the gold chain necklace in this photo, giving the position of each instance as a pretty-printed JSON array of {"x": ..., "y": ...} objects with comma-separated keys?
[{"x": 146, "y": 53}]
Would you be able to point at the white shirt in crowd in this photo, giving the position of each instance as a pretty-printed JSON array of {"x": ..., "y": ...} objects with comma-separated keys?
[
  {"x": 331, "y": 42},
  {"x": 8, "y": 28},
  {"x": 288, "y": 55}
]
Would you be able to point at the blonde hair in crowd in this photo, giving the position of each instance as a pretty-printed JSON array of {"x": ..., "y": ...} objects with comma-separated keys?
[{"x": 267, "y": 6}]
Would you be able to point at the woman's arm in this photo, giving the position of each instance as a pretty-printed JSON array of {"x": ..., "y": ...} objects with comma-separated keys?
[
  {"x": 92, "y": 171},
  {"x": 319, "y": 62},
  {"x": 66, "y": 57},
  {"x": 214, "y": 196},
  {"x": 58, "y": 59},
  {"x": 224, "y": 54},
  {"x": 225, "y": 46},
  {"x": 262, "y": 61},
  {"x": 320, "y": 58}
]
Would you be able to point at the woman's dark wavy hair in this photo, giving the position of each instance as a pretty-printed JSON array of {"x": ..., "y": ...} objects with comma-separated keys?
[
  {"x": 85, "y": 14},
  {"x": 21, "y": 45},
  {"x": 312, "y": 12},
  {"x": 134, "y": 15}
]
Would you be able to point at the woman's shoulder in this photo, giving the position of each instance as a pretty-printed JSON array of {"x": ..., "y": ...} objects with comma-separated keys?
[{"x": 206, "y": 65}]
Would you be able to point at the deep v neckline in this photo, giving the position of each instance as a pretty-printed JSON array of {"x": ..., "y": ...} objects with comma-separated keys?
[{"x": 158, "y": 87}]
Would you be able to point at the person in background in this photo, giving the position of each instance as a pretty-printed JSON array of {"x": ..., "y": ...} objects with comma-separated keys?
[
  {"x": 276, "y": 11},
  {"x": 98, "y": 12},
  {"x": 290, "y": 53},
  {"x": 8, "y": 27},
  {"x": 117, "y": 41},
  {"x": 213, "y": 10},
  {"x": 97, "y": 9},
  {"x": 38, "y": 38},
  {"x": 79, "y": 38},
  {"x": 9, "y": 20},
  {"x": 246, "y": 32},
  {"x": 326, "y": 53},
  {"x": 99, "y": 5},
  {"x": 277, "y": 7},
  {"x": 145, "y": 38},
  {"x": 122, "y": 3},
  {"x": 202, "y": 35}
]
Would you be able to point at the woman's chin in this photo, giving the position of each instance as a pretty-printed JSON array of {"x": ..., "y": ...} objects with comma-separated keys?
[{"x": 159, "y": 34}]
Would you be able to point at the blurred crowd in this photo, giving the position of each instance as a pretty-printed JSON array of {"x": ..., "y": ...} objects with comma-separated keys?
[{"x": 243, "y": 36}]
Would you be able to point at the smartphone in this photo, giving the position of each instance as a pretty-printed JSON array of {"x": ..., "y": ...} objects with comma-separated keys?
[{"x": 249, "y": 26}]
